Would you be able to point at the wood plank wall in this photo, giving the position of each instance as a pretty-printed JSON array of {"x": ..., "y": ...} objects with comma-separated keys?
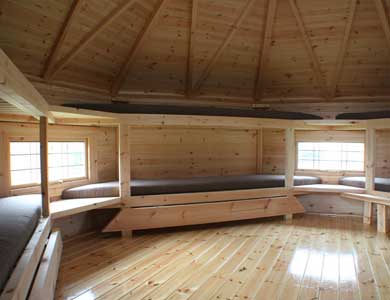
[
  {"x": 102, "y": 153},
  {"x": 382, "y": 162},
  {"x": 190, "y": 152},
  {"x": 273, "y": 151},
  {"x": 330, "y": 136}
]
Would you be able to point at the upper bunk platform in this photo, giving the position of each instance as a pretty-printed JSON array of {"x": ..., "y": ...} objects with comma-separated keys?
[{"x": 124, "y": 108}]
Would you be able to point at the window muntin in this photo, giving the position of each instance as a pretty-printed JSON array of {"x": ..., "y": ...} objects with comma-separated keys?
[
  {"x": 330, "y": 156},
  {"x": 67, "y": 160}
]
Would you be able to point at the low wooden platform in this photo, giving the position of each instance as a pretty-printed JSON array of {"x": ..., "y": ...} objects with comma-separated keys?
[
  {"x": 328, "y": 188},
  {"x": 311, "y": 257}
]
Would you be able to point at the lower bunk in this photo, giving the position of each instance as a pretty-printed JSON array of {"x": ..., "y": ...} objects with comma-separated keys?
[
  {"x": 381, "y": 184},
  {"x": 30, "y": 252},
  {"x": 157, "y": 203}
]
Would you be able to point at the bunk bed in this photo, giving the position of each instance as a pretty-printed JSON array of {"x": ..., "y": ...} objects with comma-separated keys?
[
  {"x": 29, "y": 252},
  {"x": 381, "y": 184},
  {"x": 143, "y": 187}
]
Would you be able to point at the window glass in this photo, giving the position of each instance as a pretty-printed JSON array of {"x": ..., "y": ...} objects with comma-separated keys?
[
  {"x": 331, "y": 156},
  {"x": 67, "y": 160}
]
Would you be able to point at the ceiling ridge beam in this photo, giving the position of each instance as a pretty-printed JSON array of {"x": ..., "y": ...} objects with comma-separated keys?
[
  {"x": 264, "y": 52},
  {"x": 343, "y": 48},
  {"x": 226, "y": 41},
  {"x": 139, "y": 42},
  {"x": 192, "y": 32},
  {"x": 107, "y": 20},
  {"x": 384, "y": 18},
  {"x": 314, "y": 63},
  {"x": 74, "y": 9}
]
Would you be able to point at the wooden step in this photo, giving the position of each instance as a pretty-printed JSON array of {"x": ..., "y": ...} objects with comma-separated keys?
[{"x": 63, "y": 208}]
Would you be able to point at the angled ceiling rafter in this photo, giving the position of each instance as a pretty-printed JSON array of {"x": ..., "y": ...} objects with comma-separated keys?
[
  {"x": 138, "y": 44},
  {"x": 234, "y": 27},
  {"x": 314, "y": 63},
  {"x": 107, "y": 20},
  {"x": 191, "y": 38},
  {"x": 384, "y": 18},
  {"x": 343, "y": 48},
  {"x": 73, "y": 11},
  {"x": 264, "y": 54}
]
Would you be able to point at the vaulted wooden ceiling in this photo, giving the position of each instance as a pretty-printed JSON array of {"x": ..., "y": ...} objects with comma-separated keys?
[{"x": 323, "y": 55}]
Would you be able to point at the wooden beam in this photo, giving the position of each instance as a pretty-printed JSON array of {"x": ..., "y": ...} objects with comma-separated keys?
[
  {"x": 314, "y": 63},
  {"x": 233, "y": 29},
  {"x": 17, "y": 90},
  {"x": 103, "y": 24},
  {"x": 190, "y": 53},
  {"x": 290, "y": 158},
  {"x": 44, "y": 147},
  {"x": 73, "y": 11},
  {"x": 138, "y": 44},
  {"x": 124, "y": 162},
  {"x": 370, "y": 149},
  {"x": 343, "y": 48},
  {"x": 46, "y": 278},
  {"x": 259, "y": 151},
  {"x": 384, "y": 18},
  {"x": 264, "y": 54}
]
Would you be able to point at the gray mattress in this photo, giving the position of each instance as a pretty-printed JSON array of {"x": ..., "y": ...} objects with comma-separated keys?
[
  {"x": 189, "y": 185},
  {"x": 381, "y": 184},
  {"x": 19, "y": 216}
]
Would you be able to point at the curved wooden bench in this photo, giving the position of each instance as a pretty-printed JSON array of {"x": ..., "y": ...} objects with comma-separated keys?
[{"x": 382, "y": 203}]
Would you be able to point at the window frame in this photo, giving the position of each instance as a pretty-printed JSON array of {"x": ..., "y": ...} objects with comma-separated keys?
[
  {"x": 330, "y": 170},
  {"x": 34, "y": 140}
]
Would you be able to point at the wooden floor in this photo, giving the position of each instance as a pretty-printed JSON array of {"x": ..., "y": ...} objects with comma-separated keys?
[{"x": 311, "y": 258}]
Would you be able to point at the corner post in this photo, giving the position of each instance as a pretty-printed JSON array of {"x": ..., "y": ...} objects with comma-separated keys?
[
  {"x": 124, "y": 166},
  {"x": 289, "y": 164},
  {"x": 370, "y": 172},
  {"x": 44, "y": 145}
]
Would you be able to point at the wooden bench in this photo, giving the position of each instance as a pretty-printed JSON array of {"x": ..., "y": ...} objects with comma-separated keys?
[
  {"x": 382, "y": 203},
  {"x": 328, "y": 188},
  {"x": 63, "y": 208}
]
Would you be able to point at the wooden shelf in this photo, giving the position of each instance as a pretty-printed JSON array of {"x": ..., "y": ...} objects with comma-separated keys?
[
  {"x": 328, "y": 188},
  {"x": 368, "y": 198},
  {"x": 69, "y": 207}
]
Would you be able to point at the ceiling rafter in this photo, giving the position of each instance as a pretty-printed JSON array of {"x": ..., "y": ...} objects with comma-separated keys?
[
  {"x": 264, "y": 54},
  {"x": 343, "y": 48},
  {"x": 192, "y": 33},
  {"x": 139, "y": 42},
  {"x": 237, "y": 24},
  {"x": 73, "y": 11},
  {"x": 384, "y": 18},
  {"x": 107, "y": 20},
  {"x": 314, "y": 63}
]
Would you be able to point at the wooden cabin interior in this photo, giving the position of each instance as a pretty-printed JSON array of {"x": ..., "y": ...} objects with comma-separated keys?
[{"x": 194, "y": 149}]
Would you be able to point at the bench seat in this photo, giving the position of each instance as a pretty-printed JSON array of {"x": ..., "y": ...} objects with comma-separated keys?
[
  {"x": 381, "y": 184},
  {"x": 140, "y": 187}
]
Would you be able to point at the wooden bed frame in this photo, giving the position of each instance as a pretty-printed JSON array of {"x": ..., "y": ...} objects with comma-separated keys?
[
  {"x": 157, "y": 211},
  {"x": 35, "y": 274}
]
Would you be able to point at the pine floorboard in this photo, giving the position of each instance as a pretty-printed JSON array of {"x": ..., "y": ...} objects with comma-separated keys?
[{"x": 310, "y": 257}]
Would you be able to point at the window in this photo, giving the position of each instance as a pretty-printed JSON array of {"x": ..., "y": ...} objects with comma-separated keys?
[
  {"x": 331, "y": 156},
  {"x": 67, "y": 160}
]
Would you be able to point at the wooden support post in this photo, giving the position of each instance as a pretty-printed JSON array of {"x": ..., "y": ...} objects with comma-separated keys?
[
  {"x": 124, "y": 167},
  {"x": 289, "y": 164},
  {"x": 290, "y": 158},
  {"x": 370, "y": 172},
  {"x": 259, "y": 151},
  {"x": 43, "y": 139},
  {"x": 383, "y": 222}
]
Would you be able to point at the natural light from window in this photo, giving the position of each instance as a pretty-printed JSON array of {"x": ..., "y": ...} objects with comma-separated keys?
[
  {"x": 331, "y": 156},
  {"x": 67, "y": 160}
]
